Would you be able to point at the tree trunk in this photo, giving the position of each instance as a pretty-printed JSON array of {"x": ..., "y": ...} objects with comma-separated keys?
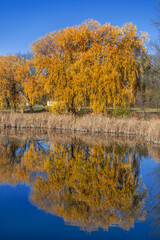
[{"x": 30, "y": 107}]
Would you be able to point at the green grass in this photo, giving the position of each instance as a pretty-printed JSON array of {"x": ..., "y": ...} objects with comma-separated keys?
[
  {"x": 147, "y": 110},
  {"x": 85, "y": 110},
  {"x": 88, "y": 110},
  {"x": 141, "y": 110},
  {"x": 36, "y": 108}
]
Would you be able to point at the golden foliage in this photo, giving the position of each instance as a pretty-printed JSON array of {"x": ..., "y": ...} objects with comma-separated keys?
[
  {"x": 58, "y": 107},
  {"x": 18, "y": 81},
  {"x": 87, "y": 65},
  {"x": 99, "y": 65},
  {"x": 8, "y": 80}
]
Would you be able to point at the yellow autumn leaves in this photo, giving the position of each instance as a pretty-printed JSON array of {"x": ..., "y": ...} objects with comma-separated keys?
[
  {"x": 18, "y": 81},
  {"x": 88, "y": 65}
]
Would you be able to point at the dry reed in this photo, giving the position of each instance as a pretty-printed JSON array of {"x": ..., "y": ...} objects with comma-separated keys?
[{"x": 147, "y": 129}]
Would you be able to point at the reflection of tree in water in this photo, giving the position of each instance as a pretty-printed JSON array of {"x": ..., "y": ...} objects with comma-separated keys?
[
  {"x": 14, "y": 156},
  {"x": 154, "y": 202},
  {"x": 89, "y": 186}
]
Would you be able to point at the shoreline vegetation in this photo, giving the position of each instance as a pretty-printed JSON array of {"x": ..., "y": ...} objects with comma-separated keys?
[{"x": 143, "y": 127}]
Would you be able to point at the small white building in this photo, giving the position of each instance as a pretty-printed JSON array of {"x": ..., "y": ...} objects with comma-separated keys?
[{"x": 50, "y": 103}]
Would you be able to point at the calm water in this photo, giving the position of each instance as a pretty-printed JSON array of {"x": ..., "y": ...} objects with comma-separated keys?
[{"x": 62, "y": 187}]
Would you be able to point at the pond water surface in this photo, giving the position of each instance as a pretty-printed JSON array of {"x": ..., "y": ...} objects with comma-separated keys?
[{"x": 58, "y": 187}]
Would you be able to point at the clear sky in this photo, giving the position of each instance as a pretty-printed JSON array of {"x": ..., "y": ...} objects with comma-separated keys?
[{"x": 24, "y": 21}]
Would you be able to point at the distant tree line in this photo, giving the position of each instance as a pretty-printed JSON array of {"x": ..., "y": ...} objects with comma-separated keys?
[{"x": 149, "y": 96}]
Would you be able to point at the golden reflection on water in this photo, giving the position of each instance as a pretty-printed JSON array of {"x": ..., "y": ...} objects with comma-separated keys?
[{"x": 88, "y": 185}]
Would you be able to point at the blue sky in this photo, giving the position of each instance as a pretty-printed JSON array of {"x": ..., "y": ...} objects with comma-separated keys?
[{"x": 24, "y": 21}]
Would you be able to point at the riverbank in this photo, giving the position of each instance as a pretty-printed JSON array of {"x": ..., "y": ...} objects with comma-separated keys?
[{"x": 149, "y": 129}]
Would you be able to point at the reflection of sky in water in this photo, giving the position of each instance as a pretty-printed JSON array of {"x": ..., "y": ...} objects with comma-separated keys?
[
  {"x": 19, "y": 219},
  {"x": 148, "y": 166}
]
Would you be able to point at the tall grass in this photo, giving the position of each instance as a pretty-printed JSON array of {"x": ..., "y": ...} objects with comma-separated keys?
[{"x": 149, "y": 129}]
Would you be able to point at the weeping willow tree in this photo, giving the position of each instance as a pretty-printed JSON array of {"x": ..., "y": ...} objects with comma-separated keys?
[{"x": 91, "y": 64}]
